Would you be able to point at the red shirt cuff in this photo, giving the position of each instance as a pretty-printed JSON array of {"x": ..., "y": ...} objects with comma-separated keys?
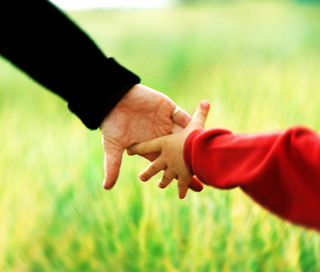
[
  {"x": 187, "y": 150},
  {"x": 188, "y": 144}
]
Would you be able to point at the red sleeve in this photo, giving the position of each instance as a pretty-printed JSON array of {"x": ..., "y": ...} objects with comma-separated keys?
[{"x": 280, "y": 171}]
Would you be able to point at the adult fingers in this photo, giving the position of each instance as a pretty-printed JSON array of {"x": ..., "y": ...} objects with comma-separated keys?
[
  {"x": 195, "y": 184},
  {"x": 151, "y": 146},
  {"x": 201, "y": 113},
  {"x": 152, "y": 169},
  {"x": 112, "y": 163},
  {"x": 181, "y": 118},
  {"x": 176, "y": 128},
  {"x": 151, "y": 156}
]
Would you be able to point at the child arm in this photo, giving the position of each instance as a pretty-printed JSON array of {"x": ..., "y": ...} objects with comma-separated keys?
[{"x": 279, "y": 170}]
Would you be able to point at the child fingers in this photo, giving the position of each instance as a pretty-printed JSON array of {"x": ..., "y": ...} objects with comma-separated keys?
[
  {"x": 151, "y": 156},
  {"x": 176, "y": 128},
  {"x": 201, "y": 113},
  {"x": 183, "y": 185},
  {"x": 151, "y": 146},
  {"x": 152, "y": 169},
  {"x": 166, "y": 179},
  {"x": 181, "y": 118}
]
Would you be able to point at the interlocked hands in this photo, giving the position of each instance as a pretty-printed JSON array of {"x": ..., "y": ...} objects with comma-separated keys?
[
  {"x": 171, "y": 158},
  {"x": 142, "y": 114}
]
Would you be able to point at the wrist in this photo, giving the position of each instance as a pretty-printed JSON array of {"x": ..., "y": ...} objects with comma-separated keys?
[
  {"x": 187, "y": 149},
  {"x": 107, "y": 87}
]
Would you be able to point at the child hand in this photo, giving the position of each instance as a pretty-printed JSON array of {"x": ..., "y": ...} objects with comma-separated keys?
[{"x": 171, "y": 158}]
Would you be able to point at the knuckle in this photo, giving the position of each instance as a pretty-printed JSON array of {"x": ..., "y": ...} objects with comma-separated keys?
[
  {"x": 182, "y": 184},
  {"x": 165, "y": 178},
  {"x": 152, "y": 169}
]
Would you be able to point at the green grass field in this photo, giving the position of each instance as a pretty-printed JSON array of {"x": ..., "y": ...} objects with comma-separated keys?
[{"x": 258, "y": 65}]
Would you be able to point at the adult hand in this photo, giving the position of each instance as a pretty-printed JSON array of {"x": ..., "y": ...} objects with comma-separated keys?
[
  {"x": 171, "y": 159},
  {"x": 141, "y": 115}
]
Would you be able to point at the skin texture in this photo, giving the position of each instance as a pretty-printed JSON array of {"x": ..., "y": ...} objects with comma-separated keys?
[
  {"x": 171, "y": 158},
  {"x": 141, "y": 115}
]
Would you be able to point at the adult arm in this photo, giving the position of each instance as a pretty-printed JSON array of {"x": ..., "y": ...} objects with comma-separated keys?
[
  {"x": 42, "y": 41},
  {"x": 280, "y": 171},
  {"x": 39, "y": 39}
]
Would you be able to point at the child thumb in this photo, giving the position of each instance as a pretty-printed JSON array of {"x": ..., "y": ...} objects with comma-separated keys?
[{"x": 201, "y": 113}]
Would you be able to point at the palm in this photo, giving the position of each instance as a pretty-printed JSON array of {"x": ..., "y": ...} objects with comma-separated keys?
[
  {"x": 143, "y": 114},
  {"x": 144, "y": 119}
]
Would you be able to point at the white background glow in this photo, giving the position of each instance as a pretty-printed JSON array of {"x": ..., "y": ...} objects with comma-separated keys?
[{"x": 84, "y": 4}]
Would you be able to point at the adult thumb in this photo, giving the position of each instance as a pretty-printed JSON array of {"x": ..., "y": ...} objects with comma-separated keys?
[
  {"x": 201, "y": 113},
  {"x": 112, "y": 163},
  {"x": 195, "y": 184}
]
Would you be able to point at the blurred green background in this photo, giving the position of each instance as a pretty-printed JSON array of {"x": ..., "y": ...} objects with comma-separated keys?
[{"x": 257, "y": 62}]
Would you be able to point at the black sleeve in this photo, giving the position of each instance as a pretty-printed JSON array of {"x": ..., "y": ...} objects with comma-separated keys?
[{"x": 40, "y": 40}]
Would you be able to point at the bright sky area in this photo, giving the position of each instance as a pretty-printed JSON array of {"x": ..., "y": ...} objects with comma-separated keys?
[{"x": 83, "y": 4}]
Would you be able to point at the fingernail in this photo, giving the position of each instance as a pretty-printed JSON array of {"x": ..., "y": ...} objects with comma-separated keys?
[
  {"x": 205, "y": 104},
  {"x": 182, "y": 195},
  {"x": 142, "y": 178}
]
